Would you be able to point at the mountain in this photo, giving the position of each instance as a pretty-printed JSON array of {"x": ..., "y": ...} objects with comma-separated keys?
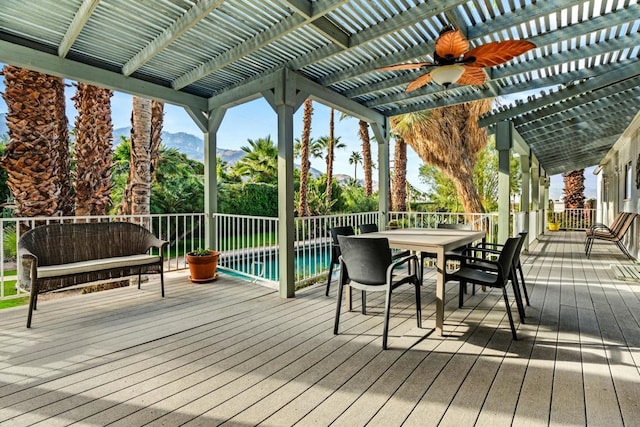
[
  {"x": 190, "y": 145},
  {"x": 193, "y": 147}
]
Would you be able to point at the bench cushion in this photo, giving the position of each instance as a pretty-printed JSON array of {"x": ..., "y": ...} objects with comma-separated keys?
[{"x": 96, "y": 264}]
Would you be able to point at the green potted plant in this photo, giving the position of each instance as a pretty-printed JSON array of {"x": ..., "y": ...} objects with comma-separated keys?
[{"x": 203, "y": 264}]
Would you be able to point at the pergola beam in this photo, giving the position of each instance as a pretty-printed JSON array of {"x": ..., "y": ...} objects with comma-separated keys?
[
  {"x": 321, "y": 24},
  {"x": 77, "y": 24},
  {"x": 610, "y": 20},
  {"x": 391, "y": 25},
  {"x": 21, "y": 56},
  {"x": 586, "y": 114},
  {"x": 286, "y": 26},
  {"x": 198, "y": 12},
  {"x": 628, "y": 72},
  {"x": 567, "y": 103}
]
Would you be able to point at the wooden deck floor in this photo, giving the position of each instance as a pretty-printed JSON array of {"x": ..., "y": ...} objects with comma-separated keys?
[{"x": 233, "y": 352}]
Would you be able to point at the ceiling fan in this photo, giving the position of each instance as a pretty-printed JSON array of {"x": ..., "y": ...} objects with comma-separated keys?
[{"x": 453, "y": 62}]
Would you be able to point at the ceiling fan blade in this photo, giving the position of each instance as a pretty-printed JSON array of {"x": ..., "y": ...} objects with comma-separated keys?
[
  {"x": 496, "y": 53},
  {"x": 451, "y": 44},
  {"x": 405, "y": 66},
  {"x": 472, "y": 76},
  {"x": 419, "y": 82}
]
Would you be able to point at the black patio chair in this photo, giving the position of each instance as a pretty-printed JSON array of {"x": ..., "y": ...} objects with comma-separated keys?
[
  {"x": 335, "y": 249},
  {"x": 366, "y": 264},
  {"x": 517, "y": 264},
  {"x": 474, "y": 269}
]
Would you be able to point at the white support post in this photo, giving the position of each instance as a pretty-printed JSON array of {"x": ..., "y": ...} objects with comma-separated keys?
[
  {"x": 504, "y": 142},
  {"x": 535, "y": 197},
  {"x": 525, "y": 167},
  {"x": 382, "y": 134},
  {"x": 285, "y": 103},
  {"x": 211, "y": 176},
  {"x": 544, "y": 201}
]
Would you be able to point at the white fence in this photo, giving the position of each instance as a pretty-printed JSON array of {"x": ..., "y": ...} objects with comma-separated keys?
[
  {"x": 248, "y": 245},
  {"x": 575, "y": 219}
]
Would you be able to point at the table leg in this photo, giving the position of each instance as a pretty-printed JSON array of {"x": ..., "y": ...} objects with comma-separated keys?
[{"x": 440, "y": 265}]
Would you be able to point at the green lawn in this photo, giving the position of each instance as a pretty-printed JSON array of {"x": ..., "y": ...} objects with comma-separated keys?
[
  {"x": 13, "y": 302},
  {"x": 10, "y": 289}
]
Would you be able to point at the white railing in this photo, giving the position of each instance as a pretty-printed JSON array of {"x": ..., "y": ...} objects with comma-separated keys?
[
  {"x": 574, "y": 219},
  {"x": 185, "y": 232},
  {"x": 480, "y": 221},
  {"x": 248, "y": 244}
]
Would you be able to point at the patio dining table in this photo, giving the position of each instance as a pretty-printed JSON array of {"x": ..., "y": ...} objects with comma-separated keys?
[{"x": 434, "y": 241}]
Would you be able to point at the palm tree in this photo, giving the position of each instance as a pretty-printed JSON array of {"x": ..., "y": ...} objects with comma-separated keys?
[
  {"x": 363, "y": 133},
  {"x": 305, "y": 164},
  {"x": 450, "y": 139},
  {"x": 355, "y": 159},
  {"x": 366, "y": 156},
  {"x": 137, "y": 196},
  {"x": 325, "y": 147},
  {"x": 574, "y": 189},
  {"x": 330, "y": 155},
  {"x": 157, "y": 119},
  {"x": 93, "y": 156},
  {"x": 260, "y": 164},
  {"x": 399, "y": 193},
  {"x": 65, "y": 198},
  {"x": 31, "y": 157}
]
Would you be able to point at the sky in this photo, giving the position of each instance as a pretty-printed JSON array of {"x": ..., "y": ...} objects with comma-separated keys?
[{"x": 256, "y": 119}]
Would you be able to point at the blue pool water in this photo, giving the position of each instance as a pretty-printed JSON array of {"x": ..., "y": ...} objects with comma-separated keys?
[{"x": 308, "y": 262}]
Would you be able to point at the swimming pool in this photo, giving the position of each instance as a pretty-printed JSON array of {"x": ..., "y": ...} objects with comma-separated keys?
[{"x": 309, "y": 262}]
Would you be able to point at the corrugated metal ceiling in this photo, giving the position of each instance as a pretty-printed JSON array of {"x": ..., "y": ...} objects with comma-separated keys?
[{"x": 339, "y": 43}]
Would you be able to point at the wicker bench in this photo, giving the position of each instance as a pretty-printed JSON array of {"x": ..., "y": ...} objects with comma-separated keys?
[{"x": 57, "y": 256}]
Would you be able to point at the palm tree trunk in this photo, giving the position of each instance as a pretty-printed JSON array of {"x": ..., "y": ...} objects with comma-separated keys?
[
  {"x": 305, "y": 164},
  {"x": 65, "y": 199},
  {"x": 467, "y": 191},
  {"x": 330, "y": 158},
  {"x": 137, "y": 197},
  {"x": 157, "y": 119},
  {"x": 399, "y": 193},
  {"x": 31, "y": 157},
  {"x": 366, "y": 157},
  {"x": 94, "y": 133}
]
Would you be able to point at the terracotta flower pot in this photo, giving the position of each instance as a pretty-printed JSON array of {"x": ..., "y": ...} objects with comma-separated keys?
[{"x": 203, "y": 267}]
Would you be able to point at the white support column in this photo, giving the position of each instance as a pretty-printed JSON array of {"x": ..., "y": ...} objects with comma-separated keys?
[
  {"x": 544, "y": 201},
  {"x": 504, "y": 142},
  {"x": 211, "y": 177},
  {"x": 285, "y": 103},
  {"x": 535, "y": 197},
  {"x": 525, "y": 167},
  {"x": 382, "y": 134}
]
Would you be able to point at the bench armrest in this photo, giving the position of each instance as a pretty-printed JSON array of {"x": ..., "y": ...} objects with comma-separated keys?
[
  {"x": 152, "y": 241},
  {"x": 29, "y": 267}
]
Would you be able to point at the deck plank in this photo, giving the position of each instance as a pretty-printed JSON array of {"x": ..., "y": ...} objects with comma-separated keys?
[{"x": 235, "y": 353}]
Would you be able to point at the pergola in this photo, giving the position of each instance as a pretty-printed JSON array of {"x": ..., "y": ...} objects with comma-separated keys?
[{"x": 211, "y": 55}]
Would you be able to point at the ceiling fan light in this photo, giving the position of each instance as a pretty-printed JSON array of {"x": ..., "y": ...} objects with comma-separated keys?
[{"x": 447, "y": 74}]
